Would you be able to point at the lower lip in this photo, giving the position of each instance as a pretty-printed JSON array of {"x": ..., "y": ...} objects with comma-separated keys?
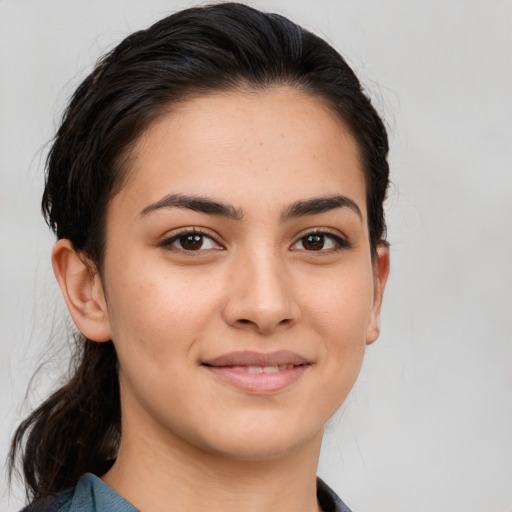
[{"x": 258, "y": 382}]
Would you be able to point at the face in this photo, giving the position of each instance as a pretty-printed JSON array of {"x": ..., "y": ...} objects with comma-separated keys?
[{"x": 238, "y": 276}]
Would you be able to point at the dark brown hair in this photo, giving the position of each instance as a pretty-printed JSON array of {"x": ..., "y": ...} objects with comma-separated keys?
[{"x": 193, "y": 52}]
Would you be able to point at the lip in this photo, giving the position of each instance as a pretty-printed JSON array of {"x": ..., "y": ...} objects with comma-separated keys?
[{"x": 237, "y": 369}]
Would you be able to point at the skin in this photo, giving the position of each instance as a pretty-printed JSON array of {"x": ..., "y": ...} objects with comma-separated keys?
[{"x": 254, "y": 284}]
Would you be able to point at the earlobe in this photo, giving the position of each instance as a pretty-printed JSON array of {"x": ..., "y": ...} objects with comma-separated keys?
[
  {"x": 81, "y": 287},
  {"x": 380, "y": 277}
]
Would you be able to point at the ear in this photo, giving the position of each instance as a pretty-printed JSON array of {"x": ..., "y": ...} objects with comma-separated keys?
[
  {"x": 380, "y": 277},
  {"x": 81, "y": 286}
]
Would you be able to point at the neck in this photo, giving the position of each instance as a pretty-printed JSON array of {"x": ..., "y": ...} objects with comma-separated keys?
[{"x": 152, "y": 474}]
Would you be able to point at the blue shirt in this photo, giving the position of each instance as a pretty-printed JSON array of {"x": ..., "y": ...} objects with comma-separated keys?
[{"x": 91, "y": 494}]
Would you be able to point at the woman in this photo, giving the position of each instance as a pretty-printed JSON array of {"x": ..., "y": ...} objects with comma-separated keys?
[{"x": 216, "y": 188}]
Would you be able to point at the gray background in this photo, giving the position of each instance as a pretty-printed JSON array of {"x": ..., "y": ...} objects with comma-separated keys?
[{"x": 428, "y": 426}]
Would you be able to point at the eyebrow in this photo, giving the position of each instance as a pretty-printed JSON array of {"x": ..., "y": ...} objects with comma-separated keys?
[
  {"x": 319, "y": 205},
  {"x": 314, "y": 206},
  {"x": 195, "y": 203}
]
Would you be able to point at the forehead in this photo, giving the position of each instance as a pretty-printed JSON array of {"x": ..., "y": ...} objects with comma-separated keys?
[{"x": 263, "y": 146}]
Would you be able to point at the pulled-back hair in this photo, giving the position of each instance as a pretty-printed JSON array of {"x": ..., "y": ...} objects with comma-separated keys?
[{"x": 194, "y": 52}]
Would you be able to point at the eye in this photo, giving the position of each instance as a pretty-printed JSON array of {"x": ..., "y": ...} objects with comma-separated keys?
[
  {"x": 191, "y": 241},
  {"x": 320, "y": 241}
]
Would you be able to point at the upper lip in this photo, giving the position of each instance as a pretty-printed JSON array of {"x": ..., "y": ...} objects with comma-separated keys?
[{"x": 248, "y": 358}]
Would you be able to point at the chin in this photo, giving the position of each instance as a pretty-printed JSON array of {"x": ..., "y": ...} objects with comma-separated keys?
[{"x": 260, "y": 442}]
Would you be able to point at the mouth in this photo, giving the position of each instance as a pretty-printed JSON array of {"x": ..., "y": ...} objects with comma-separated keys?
[{"x": 256, "y": 372}]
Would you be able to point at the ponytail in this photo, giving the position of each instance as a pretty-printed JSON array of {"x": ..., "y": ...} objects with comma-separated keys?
[{"x": 76, "y": 430}]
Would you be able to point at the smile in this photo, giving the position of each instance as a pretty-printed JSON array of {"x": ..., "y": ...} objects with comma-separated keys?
[
  {"x": 263, "y": 369},
  {"x": 256, "y": 372}
]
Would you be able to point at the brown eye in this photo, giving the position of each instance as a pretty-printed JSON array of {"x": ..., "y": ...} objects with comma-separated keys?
[
  {"x": 320, "y": 242},
  {"x": 313, "y": 242},
  {"x": 191, "y": 242}
]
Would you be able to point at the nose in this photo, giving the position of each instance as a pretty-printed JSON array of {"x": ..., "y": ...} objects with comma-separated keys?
[{"x": 260, "y": 294}]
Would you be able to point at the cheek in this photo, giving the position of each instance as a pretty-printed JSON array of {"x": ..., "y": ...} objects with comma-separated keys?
[
  {"x": 340, "y": 305},
  {"x": 340, "y": 312},
  {"x": 157, "y": 311}
]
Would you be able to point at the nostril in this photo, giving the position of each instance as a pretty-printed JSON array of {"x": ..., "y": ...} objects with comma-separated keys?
[{"x": 245, "y": 321}]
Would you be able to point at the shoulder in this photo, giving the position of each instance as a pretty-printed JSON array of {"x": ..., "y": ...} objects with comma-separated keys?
[
  {"x": 328, "y": 500},
  {"x": 90, "y": 494}
]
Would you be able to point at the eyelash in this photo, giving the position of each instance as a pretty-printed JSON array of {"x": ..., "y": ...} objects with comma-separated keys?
[
  {"x": 167, "y": 242},
  {"x": 339, "y": 242}
]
